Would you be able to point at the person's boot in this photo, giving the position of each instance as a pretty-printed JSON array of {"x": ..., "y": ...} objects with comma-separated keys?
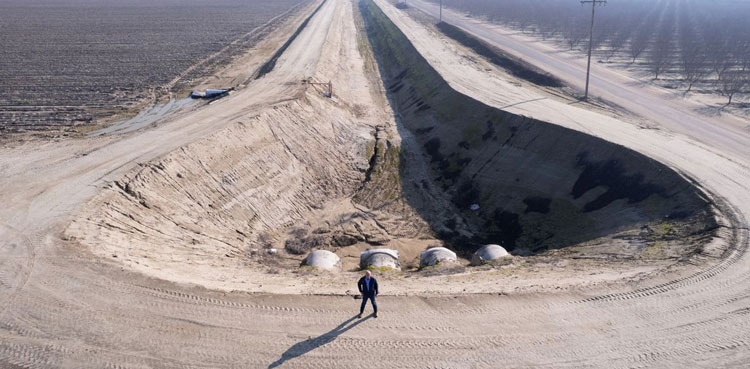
[{"x": 359, "y": 316}]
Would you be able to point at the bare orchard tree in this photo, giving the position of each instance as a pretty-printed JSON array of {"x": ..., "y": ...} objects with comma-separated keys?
[
  {"x": 740, "y": 48},
  {"x": 643, "y": 30},
  {"x": 524, "y": 24},
  {"x": 639, "y": 43},
  {"x": 548, "y": 30},
  {"x": 744, "y": 54},
  {"x": 617, "y": 41},
  {"x": 692, "y": 53},
  {"x": 718, "y": 49},
  {"x": 574, "y": 32},
  {"x": 661, "y": 54},
  {"x": 699, "y": 39},
  {"x": 733, "y": 82},
  {"x": 601, "y": 35},
  {"x": 693, "y": 64},
  {"x": 547, "y": 23}
]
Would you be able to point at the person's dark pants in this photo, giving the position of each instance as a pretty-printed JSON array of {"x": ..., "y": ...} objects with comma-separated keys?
[{"x": 364, "y": 302}]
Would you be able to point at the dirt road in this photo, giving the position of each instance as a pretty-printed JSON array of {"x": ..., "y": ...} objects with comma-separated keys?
[
  {"x": 665, "y": 108},
  {"x": 60, "y": 307}
]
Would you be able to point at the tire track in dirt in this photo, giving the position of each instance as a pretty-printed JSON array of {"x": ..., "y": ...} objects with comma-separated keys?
[
  {"x": 29, "y": 256},
  {"x": 738, "y": 246},
  {"x": 79, "y": 311}
]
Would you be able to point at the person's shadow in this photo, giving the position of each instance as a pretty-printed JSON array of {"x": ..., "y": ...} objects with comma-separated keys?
[{"x": 303, "y": 347}]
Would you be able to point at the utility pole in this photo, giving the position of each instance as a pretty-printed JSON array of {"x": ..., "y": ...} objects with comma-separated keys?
[
  {"x": 441, "y": 10},
  {"x": 594, "y": 3}
]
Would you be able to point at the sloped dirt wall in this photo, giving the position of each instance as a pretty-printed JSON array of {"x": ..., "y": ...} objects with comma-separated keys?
[{"x": 524, "y": 183}]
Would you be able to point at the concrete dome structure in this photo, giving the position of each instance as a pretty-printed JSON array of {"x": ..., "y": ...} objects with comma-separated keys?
[
  {"x": 436, "y": 255},
  {"x": 379, "y": 258},
  {"x": 488, "y": 253},
  {"x": 322, "y": 259}
]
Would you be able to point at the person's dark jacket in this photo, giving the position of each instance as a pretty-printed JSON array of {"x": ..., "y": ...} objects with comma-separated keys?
[{"x": 372, "y": 291}]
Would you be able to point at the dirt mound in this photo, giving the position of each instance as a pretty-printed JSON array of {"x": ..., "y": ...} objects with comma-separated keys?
[{"x": 223, "y": 196}]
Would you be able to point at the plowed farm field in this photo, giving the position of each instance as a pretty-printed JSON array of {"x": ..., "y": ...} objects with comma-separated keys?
[{"x": 68, "y": 64}]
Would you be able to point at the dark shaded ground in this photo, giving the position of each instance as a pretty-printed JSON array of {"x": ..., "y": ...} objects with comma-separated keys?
[
  {"x": 528, "y": 185},
  {"x": 514, "y": 66},
  {"x": 310, "y": 344}
]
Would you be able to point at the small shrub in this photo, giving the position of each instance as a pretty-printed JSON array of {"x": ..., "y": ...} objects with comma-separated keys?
[
  {"x": 265, "y": 241},
  {"x": 299, "y": 246},
  {"x": 343, "y": 240},
  {"x": 298, "y": 232}
]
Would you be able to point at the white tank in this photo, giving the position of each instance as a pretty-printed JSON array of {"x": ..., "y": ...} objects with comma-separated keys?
[
  {"x": 379, "y": 258},
  {"x": 436, "y": 255},
  {"x": 322, "y": 259},
  {"x": 488, "y": 253}
]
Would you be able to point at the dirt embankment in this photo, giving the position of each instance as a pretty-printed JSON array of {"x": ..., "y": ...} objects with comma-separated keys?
[
  {"x": 512, "y": 64},
  {"x": 241, "y": 208},
  {"x": 523, "y": 183},
  {"x": 309, "y": 172},
  {"x": 213, "y": 198}
]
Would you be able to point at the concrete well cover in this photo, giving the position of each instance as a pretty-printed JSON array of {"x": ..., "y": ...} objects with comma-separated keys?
[
  {"x": 436, "y": 255},
  {"x": 379, "y": 258},
  {"x": 322, "y": 259},
  {"x": 488, "y": 253}
]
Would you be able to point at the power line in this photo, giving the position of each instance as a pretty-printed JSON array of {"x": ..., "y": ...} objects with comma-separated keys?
[{"x": 593, "y": 3}]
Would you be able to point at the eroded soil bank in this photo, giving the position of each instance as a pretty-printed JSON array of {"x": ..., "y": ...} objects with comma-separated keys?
[
  {"x": 417, "y": 166},
  {"x": 520, "y": 182}
]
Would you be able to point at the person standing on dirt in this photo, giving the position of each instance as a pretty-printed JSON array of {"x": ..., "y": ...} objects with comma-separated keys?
[{"x": 368, "y": 287}]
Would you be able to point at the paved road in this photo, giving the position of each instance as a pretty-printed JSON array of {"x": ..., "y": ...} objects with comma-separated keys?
[{"x": 645, "y": 101}]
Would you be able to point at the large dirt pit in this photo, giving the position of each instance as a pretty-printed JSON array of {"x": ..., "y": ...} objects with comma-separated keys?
[{"x": 416, "y": 166}]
